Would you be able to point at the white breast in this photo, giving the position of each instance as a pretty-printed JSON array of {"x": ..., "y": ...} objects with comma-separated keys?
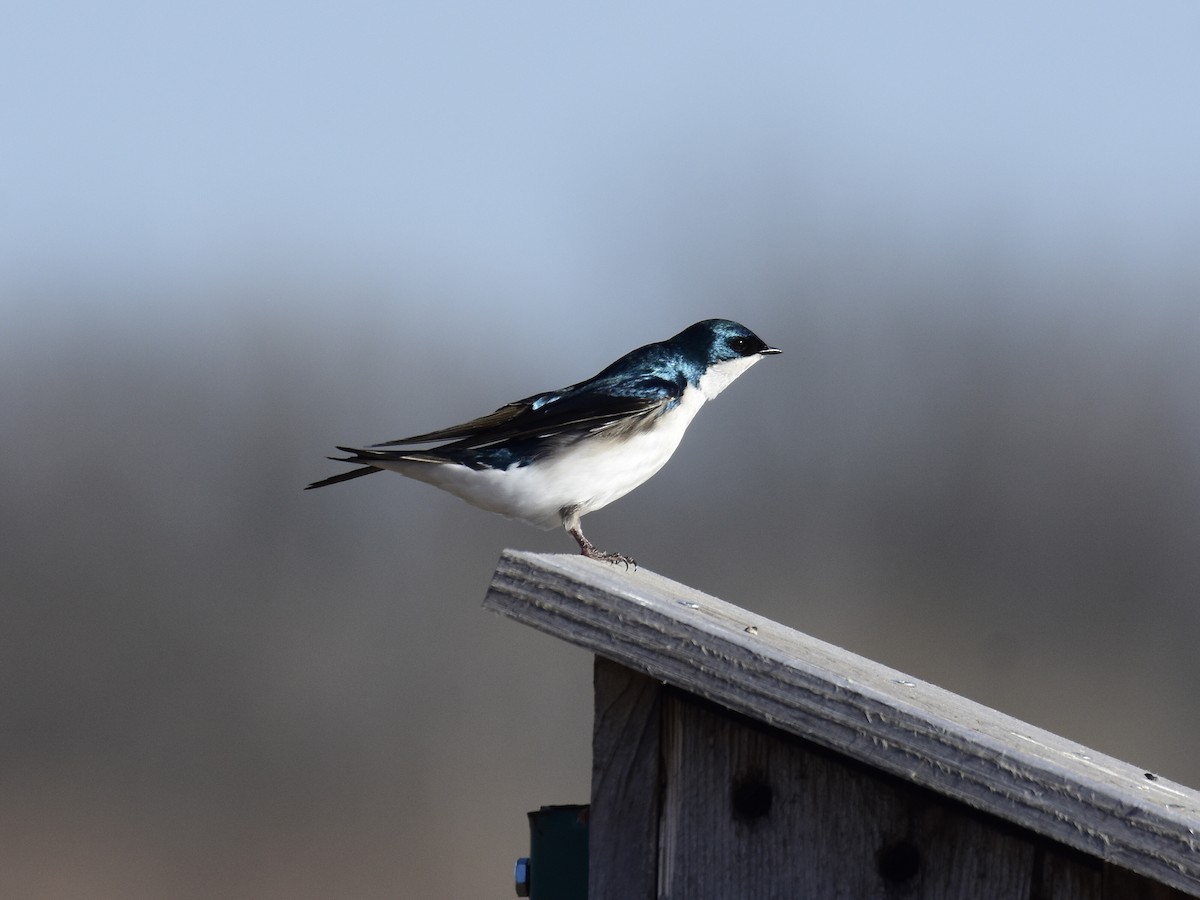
[{"x": 588, "y": 475}]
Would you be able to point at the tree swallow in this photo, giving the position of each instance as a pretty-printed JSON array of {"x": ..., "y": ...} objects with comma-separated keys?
[{"x": 552, "y": 458}]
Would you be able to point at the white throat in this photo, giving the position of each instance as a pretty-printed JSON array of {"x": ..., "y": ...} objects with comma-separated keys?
[{"x": 720, "y": 376}]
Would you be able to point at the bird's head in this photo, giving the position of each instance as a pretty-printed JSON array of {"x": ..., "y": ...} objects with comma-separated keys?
[{"x": 718, "y": 351}]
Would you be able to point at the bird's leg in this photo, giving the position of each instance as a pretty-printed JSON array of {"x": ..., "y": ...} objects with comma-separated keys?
[{"x": 588, "y": 549}]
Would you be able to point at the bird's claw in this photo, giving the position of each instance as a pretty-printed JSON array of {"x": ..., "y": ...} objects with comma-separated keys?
[
  {"x": 609, "y": 557},
  {"x": 591, "y": 551},
  {"x": 617, "y": 559}
]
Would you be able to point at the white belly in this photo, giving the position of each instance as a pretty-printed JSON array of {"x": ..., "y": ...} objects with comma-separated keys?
[{"x": 586, "y": 476}]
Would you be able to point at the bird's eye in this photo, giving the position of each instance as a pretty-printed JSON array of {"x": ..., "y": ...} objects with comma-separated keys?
[{"x": 742, "y": 346}]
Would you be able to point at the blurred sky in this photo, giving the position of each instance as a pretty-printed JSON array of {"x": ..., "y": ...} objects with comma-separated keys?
[
  {"x": 519, "y": 142},
  {"x": 232, "y": 235}
]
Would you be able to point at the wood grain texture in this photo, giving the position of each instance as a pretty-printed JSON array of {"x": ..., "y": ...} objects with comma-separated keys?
[
  {"x": 623, "y": 839},
  {"x": 750, "y": 811},
  {"x": 878, "y": 716}
]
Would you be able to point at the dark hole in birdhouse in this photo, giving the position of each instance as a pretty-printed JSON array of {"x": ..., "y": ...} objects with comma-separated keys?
[
  {"x": 751, "y": 796},
  {"x": 898, "y": 862}
]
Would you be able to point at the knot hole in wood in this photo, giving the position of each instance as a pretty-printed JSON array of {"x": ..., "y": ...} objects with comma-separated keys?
[
  {"x": 899, "y": 861},
  {"x": 751, "y": 796}
]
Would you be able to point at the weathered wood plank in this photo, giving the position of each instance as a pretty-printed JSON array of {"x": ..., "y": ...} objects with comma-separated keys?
[
  {"x": 751, "y": 811},
  {"x": 623, "y": 829},
  {"x": 873, "y": 714}
]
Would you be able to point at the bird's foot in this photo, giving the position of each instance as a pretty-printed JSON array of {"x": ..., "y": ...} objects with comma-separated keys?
[
  {"x": 591, "y": 551},
  {"x": 610, "y": 557}
]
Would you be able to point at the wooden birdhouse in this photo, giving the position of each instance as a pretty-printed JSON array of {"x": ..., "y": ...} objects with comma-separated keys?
[{"x": 734, "y": 757}]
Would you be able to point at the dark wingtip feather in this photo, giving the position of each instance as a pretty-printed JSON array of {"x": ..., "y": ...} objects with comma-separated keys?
[{"x": 345, "y": 476}]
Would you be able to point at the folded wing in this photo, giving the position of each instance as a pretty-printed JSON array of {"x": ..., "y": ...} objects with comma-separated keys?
[{"x": 549, "y": 415}]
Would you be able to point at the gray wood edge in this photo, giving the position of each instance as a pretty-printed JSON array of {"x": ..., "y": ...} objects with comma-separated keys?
[{"x": 871, "y": 713}]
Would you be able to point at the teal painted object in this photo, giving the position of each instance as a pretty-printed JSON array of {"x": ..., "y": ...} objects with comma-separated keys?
[{"x": 558, "y": 853}]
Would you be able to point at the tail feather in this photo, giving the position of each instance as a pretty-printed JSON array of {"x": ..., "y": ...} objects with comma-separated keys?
[
  {"x": 364, "y": 457},
  {"x": 344, "y": 476}
]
